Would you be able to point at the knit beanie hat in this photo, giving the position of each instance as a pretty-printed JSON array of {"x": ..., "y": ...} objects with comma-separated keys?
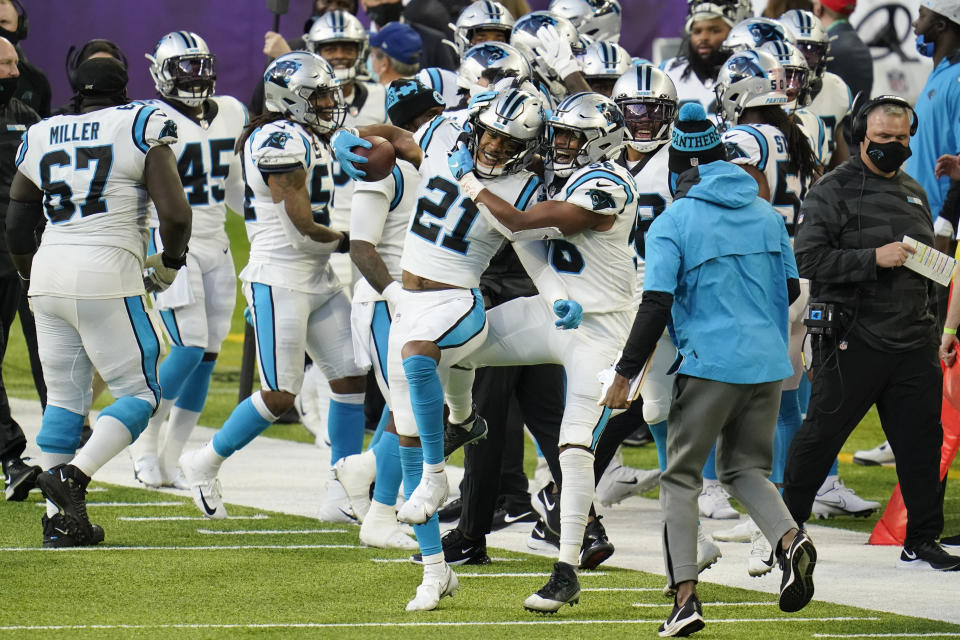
[
  {"x": 695, "y": 139},
  {"x": 408, "y": 98},
  {"x": 844, "y": 7}
]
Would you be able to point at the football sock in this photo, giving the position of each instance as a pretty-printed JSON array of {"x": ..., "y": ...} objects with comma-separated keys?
[
  {"x": 426, "y": 398},
  {"x": 659, "y": 433},
  {"x": 109, "y": 438},
  {"x": 389, "y": 471},
  {"x": 710, "y": 466},
  {"x": 176, "y": 368},
  {"x": 60, "y": 431},
  {"x": 576, "y": 496},
  {"x": 345, "y": 425},
  {"x": 179, "y": 427},
  {"x": 459, "y": 395},
  {"x": 788, "y": 422},
  {"x": 249, "y": 419},
  {"x": 835, "y": 468},
  {"x": 193, "y": 394},
  {"x": 428, "y": 533},
  {"x": 384, "y": 421}
]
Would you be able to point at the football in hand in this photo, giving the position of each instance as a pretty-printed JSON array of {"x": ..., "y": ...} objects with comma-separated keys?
[{"x": 381, "y": 158}]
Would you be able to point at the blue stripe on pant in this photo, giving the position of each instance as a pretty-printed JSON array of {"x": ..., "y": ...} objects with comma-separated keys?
[
  {"x": 380, "y": 328},
  {"x": 148, "y": 342},
  {"x": 265, "y": 330},
  {"x": 469, "y": 325}
]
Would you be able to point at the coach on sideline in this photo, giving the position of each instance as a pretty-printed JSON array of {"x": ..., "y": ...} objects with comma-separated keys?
[
  {"x": 719, "y": 259},
  {"x": 883, "y": 349}
]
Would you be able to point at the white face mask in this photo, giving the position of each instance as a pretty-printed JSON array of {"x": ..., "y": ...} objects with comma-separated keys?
[{"x": 373, "y": 74}]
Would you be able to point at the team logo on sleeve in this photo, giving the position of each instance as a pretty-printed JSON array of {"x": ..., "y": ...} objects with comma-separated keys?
[
  {"x": 169, "y": 130},
  {"x": 277, "y": 140},
  {"x": 733, "y": 151},
  {"x": 601, "y": 199}
]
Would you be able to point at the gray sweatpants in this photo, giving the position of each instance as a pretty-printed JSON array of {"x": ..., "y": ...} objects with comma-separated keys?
[{"x": 741, "y": 419}]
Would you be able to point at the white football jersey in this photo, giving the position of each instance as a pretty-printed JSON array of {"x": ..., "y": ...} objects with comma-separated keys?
[
  {"x": 597, "y": 267},
  {"x": 690, "y": 88},
  {"x": 301, "y": 264},
  {"x": 764, "y": 146},
  {"x": 812, "y": 126},
  {"x": 208, "y": 167},
  {"x": 444, "y": 82},
  {"x": 385, "y": 229},
  {"x": 367, "y": 105},
  {"x": 832, "y": 104},
  {"x": 90, "y": 169},
  {"x": 447, "y": 240},
  {"x": 652, "y": 177}
]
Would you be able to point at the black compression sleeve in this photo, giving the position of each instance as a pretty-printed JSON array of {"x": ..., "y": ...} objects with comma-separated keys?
[
  {"x": 793, "y": 289},
  {"x": 22, "y": 220},
  {"x": 951, "y": 204},
  {"x": 652, "y": 317}
]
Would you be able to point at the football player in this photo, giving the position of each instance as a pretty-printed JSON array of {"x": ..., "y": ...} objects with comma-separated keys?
[
  {"x": 599, "y": 20},
  {"x": 603, "y": 63},
  {"x": 196, "y": 310},
  {"x": 90, "y": 174},
  {"x": 549, "y": 43}
]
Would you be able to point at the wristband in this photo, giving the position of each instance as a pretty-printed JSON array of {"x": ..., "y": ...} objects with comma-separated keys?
[
  {"x": 173, "y": 263},
  {"x": 470, "y": 185},
  {"x": 344, "y": 245},
  {"x": 950, "y": 332}
]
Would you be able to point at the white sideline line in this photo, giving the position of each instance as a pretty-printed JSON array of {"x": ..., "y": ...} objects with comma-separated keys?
[
  {"x": 339, "y": 625},
  {"x": 623, "y": 589},
  {"x": 407, "y": 560},
  {"x": 945, "y": 634},
  {"x": 196, "y": 548},
  {"x": 532, "y": 574},
  {"x": 127, "y": 504},
  {"x": 258, "y": 516},
  {"x": 711, "y": 604},
  {"x": 266, "y": 532}
]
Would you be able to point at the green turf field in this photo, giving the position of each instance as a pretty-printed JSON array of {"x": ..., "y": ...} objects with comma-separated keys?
[{"x": 302, "y": 578}]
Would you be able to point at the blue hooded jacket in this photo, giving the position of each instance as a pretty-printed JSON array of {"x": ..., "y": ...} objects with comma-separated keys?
[{"x": 725, "y": 257}]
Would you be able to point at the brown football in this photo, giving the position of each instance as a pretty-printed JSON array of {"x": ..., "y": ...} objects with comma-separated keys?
[{"x": 381, "y": 158}]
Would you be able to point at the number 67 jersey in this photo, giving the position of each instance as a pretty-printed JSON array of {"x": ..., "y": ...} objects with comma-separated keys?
[{"x": 447, "y": 240}]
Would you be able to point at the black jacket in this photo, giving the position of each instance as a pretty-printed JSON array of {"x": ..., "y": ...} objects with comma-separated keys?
[
  {"x": 848, "y": 214},
  {"x": 850, "y": 58},
  {"x": 14, "y": 120}
]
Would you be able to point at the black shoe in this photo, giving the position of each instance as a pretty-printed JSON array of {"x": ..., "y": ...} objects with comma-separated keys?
[
  {"x": 19, "y": 478},
  {"x": 450, "y": 511},
  {"x": 455, "y": 436},
  {"x": 542, "y": 539},
  {"x": 952, "y": 543},
  {"x": 457, "y": 550},
  {"x": 928, "y": 555},
  {"x": 639, "y": 437},
  {"x": 504, "y": 517},
  {"x": 66, "y": 486},
  {"x": 683, "y": 620},
  {"x": 797, "y": 564},
  {"x": 547, "y": 506},
  {"x": 56, "y": 533},
  {"x": 85, "y": 435},
  {"x": 562, "y": 588},
  {"x": 596, "y": 547}
]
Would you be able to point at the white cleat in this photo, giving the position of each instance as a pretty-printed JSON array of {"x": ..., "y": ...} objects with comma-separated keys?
[
  {"x": 381, "y": 530},
  {"x": 760, "y": 561},
  {"x": 743, "y": 532},
  {"x": 146, "y": 469},
  {"x": 429, "y": 495},
  {"x": 356, "y": 473},
  {"x": 881, "y": 454},
  {"x": 204, "y": 485},
  {"x": 707, "y": 551},
  {"x": 619, "y": 483},
  {"x": 836, "y": 499},
  {"x": 335, "y": 506},
  {"x": 175, "y": 480},
  {"x": 541, "y": 476},
  {"x": 714, "y": 502},
  {"x": 435, "y": 585}
]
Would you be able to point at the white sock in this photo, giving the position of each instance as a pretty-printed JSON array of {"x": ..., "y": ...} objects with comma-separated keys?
[
  {"x": 147, "y": 442},
  {"x": 210, "y": 459},
  {"x": 827, "y": 484},
  {"x": 48, "y": 460},
  {"x": 709, "y": 483},
  {"x": 179, "y": 427},
  {"x": 433, "y": 563},
  {"x": 110, "y": 437},
  {"x": 576, "y": 496},
  {"x": 458, "y": 394},
  {"x": 434, "y": 468}
]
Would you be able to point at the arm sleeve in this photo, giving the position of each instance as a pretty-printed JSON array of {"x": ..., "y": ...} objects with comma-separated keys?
[
  {"x": 275, "y": 149},
  {"x": 234, "y": 187},
  {"x": 648, "y": 325},
  {"x": 533, "y": 257},
  {"x": 369, "y": 210}
]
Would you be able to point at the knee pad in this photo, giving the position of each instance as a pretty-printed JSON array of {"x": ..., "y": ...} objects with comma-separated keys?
[
  {"x": 60, "y": 430},
  {"x": 133, "y": 412}
]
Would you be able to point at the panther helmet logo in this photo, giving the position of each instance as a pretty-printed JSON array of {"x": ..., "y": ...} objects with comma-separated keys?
[{"x": 281, "y": 72}]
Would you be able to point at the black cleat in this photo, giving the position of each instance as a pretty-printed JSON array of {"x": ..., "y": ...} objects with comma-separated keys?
[
  {"x": 596, "y": 547},
  {"x": 56, "y": 533},
  {"x": 928, "y": 555},
  {"x": 951, "y": 542},
  {"x": 547, "y": 506},
  {"x": 455, "y": 436},
  {"x": 19, "y": 478},
  {"x": 797, "y": 563},
  {"x": 450, "y": 511},
  {"x": 684, "y": 620},
  {"x": 457, "y": 550},
  {"x": 640, "y": 437},
  {"x": 66, "y": 486},
  {"x": 542, "y": 539},
  {"x": 562, "y": 588}
]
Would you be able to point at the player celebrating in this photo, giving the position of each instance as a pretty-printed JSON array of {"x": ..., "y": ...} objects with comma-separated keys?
[
  {"x": 91, "y": 171},
  {"x": 196, "y": 310}
]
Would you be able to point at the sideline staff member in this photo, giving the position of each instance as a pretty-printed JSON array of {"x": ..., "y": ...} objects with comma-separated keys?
[{"x": 884, "y": 350}]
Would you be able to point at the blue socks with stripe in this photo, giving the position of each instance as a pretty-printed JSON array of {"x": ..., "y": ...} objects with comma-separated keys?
[
  {"x": 428, "y": 533},
  {"x": 345, "y": 425},
  {"x": 426, "y": 398},
  {"x": 659, "y": 433},
  {"x": 249, "y": 419},
  {"x": 389, "y": 471},
  {"x": 176, "y": 368}
]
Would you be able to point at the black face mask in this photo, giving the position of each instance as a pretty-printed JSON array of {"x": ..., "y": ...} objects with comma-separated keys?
[
  {"x": 384, "y": 13},
  {"x": 887, "y": 156},
  {"x": 8, "y": 86}
]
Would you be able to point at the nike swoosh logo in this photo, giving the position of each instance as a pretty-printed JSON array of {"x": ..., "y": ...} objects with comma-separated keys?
[
  {"x": 63, "y": 478},
  {"x": 910, "y": 555},
  {"x": 347, "y": 514},
  {"x": 510, "y": 519},
  {"x": 59, "y": 530},
  {"x": 547, "y": 503},
  {"x": 634, "y": 481},
  {"x": 225, "y": 251},
  {"x": 206, "y": 507}
]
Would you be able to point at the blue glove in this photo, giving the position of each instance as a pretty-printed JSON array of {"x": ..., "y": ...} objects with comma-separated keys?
[
  {"x": 342, "y": 142},
  {"x": 480, "y": 100},
  {"x": 460, "y": 160},
  {"x": 569, "y": 314}
]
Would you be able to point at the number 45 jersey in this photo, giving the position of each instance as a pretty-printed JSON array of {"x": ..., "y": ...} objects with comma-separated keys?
[
  {"x": 447, "y": 239},
  {"x": 90, "y": 168}
]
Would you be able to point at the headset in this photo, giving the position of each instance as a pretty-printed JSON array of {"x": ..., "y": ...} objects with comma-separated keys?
[{"x": 859, "y": 132}]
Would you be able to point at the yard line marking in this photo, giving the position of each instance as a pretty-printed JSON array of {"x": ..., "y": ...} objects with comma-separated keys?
[
  {"x": 127, "y": 504},
  {"x": 196, "y": 548},
  {"x": 945, "y": 634},
  {"x": 532, "y": 574},
  {"x": 622, "y": 589},
  {"x": 398, "y": 560},
  {"x": 266, "y": 532},
  {"x": 258, "y": 516},
  {"x": 339, "y": 625},
  {"x": 711, "y": 604}
]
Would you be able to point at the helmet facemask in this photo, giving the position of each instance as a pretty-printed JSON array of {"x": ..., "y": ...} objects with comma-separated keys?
[
  {"x": 564, "y": 149},
  {"x": 326, "y": 109},
  {"x": 344, "y": 68},
  {"x": 496, "y": 153},
  {"x": 648, "y": 122},
  {"x": 189, "y": 79}
]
